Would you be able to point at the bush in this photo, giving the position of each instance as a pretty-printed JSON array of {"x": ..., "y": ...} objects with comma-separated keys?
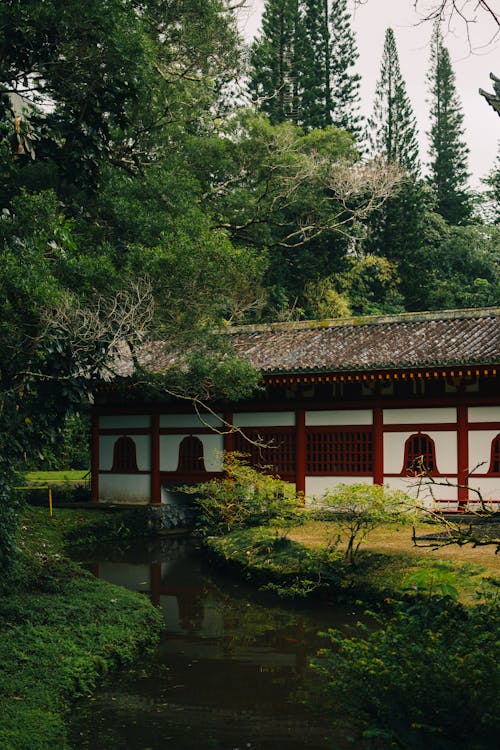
[
  {"x": 244, "y": 497},
  {"x": 359, "y": 508},
  {"x": 428, "y": 678}
]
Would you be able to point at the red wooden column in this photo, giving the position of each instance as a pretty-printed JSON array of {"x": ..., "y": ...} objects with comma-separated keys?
[
  {"x": 300, "y": 450},
  {"x": 155, "y": 460},
  {"x": 462, "y": 455},
  {"x": 378, "y": 445},
  {"x": 228, "y": 433},
  {"x": 155, "y": 581},
  {"x": 94, "y": 459}
]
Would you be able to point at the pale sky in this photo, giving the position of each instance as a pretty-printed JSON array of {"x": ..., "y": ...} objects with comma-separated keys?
[{"x": 472, "y": 69}]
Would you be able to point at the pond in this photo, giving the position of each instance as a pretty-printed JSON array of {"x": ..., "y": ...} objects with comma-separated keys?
[{"x": 231, "y": 670}]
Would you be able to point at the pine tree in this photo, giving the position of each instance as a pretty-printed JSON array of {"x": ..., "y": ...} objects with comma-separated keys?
[
  {"x": 275, "y": 61},
  {"x": 301, "y": 64},
  {"x": 492, "y": 181},
  {"x": 344, "y": 82},
  {"x": 392, "y": 128},
  {"x": 448, "y": 151}
]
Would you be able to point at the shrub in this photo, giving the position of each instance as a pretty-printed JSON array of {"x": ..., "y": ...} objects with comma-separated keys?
[
  {"x": 427, "y": 678},
  {"x": 244, "y": 497},
  {"x": 359, "y": 508}
]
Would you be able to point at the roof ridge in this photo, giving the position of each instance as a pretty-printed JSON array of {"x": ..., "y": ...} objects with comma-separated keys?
[{"x": 358, "y": 320}]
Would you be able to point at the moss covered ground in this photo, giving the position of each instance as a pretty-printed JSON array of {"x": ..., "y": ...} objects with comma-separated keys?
[{"x": 61, "y": 629}]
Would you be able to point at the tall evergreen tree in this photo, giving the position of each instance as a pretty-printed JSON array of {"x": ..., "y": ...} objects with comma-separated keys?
[
  {"x": 392, "y": 128},
  {"x": 344, "y": 82},
  {"x": 331, "y": 88},
  {"x": 492, "y": 181},
  {"x": 301, "y": 65},
  {"x": 448, "y": 151},
  {"x": 275, "y": 61}
]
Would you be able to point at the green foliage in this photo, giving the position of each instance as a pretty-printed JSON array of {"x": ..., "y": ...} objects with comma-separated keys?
[
  {"x": 243, "y": 497},
  {"x": 428, "y": 677},
  {"x": 61, "y": 631},
  {"x": 448, "y": 150},
  {"x": 392, "y": 128},
  {"x": 359, "y": 509}
]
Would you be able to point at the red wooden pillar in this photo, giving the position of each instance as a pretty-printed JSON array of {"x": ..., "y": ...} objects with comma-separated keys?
[
  {"x": 300, "y": 451},
  {"x": 462, "y": 456},
  {"x": 155, "y": 582},
  {"x": 228, "y": 432},
  {"x": 94, "y": 459},
  {"x": 155, "y": 460},
  {"x": 378, "y": 445}
]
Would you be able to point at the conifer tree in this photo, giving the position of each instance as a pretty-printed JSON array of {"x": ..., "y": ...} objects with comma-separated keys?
[
  {"x": 331, "y": 88},
  {"x": 301, "y": 65},
  {"x": 448, "y": 151},
  {"x": 392, "y": 128},
  {"x": 344, "y": 82},
  {"x": 492, "y": 181},
  {"x": 275, "y": 61}
]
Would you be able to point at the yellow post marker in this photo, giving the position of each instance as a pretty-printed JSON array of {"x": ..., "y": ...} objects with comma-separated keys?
[{"x": 50, "y": 501}]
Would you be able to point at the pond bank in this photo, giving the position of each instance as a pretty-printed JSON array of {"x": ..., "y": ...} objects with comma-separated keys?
[
  {"x": 61, "y": 629},
  {"x": 303, "y": 561}
]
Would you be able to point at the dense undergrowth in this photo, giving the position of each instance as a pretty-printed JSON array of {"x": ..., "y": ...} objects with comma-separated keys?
[{"x": 61, "y": 629}]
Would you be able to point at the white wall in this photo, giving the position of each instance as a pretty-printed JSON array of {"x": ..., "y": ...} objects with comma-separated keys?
[
  {"x": 316, "y": 486},
  {"x": 489, "y": 487},
  {"x": 142, "y": 446},
  {"x": 446, "y": 451},
  {"x": 213, "y": 446},
  {"x": 419, "y": 416},
  {"x": 191, "y": 420},
  {"x": 480, "y": 449},
  {"x": 125, "y": 422},
  {"x": 264, "y": 419},
  {"x": 125, "y": 488},
  {"x": 334, "y": 418},
  {"x": 421, "y": 493},
  {"x": 484, "y": 414}
]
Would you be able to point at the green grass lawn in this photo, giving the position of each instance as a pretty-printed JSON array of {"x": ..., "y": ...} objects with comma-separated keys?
[{"x": 50, "y": 477}]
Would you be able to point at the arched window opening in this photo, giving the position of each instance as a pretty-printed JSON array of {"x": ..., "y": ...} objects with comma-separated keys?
[
  {"x": 420, "y": 455},
  {"x": 124, "y": 455},
  {"x": 495, "y": 456},
  {"x": 191, "y": 459}
]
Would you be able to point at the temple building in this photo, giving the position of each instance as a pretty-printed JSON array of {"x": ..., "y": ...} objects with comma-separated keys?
[{"x": 366, "y": 399}]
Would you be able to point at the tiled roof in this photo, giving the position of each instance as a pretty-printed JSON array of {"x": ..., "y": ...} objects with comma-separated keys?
[{"x": 448, "y": 338}]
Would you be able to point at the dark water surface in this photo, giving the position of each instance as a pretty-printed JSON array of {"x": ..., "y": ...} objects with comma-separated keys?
[{"x": 231, "y": 670}]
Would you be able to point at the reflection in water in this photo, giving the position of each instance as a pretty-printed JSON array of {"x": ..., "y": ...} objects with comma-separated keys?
[{"x": 231, "y": 670}]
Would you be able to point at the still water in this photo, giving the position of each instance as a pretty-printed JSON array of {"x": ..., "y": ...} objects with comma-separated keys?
[{"x": 231, "y": 671}]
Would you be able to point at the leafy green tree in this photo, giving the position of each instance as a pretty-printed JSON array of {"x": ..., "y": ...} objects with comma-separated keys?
[
  {"x": 98, "y": 101},
  {"x": 276, "y": 60},
  {"x": 392, "y": 128},
  {"x": 448, "y": 150}
]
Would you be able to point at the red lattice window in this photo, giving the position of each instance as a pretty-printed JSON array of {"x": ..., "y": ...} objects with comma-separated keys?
[
  {"x": 420, "y": 455},
  {"x": 339, "y": 452},
  {"x": 191, "y": 458},
  {"x": 124, "y": 455},
  {"x": 274, "y": 450},
  {"x": 495, "y": 456}
]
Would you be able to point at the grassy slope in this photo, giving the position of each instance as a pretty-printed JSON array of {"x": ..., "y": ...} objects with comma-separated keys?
[
  {"x": 301, "y": 561},
  {"x": 60, "y": 631}
]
